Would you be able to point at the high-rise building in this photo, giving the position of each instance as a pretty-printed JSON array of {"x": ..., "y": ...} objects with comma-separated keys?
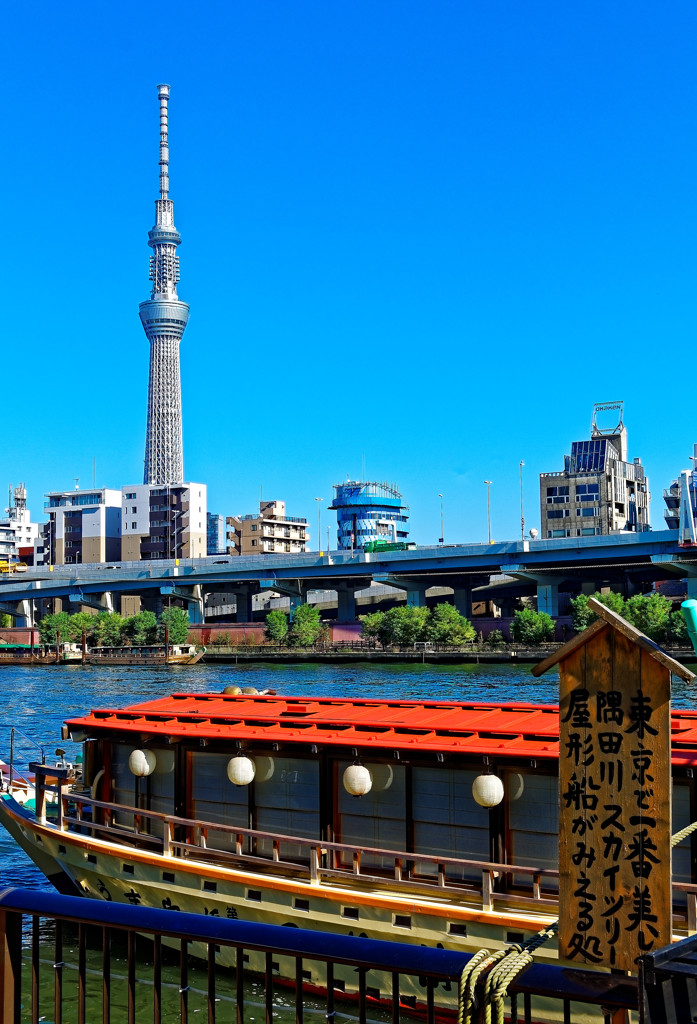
[
  {"x": 598, "y": 491},
  {"x": 164, "y": 318},
  {"x": 368, "y": 512}
]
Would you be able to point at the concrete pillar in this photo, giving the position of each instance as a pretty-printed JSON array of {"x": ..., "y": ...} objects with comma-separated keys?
[
  {"x": 462, "y": 599},
  {"x": 416, "y": 598},
  {"x": 243, "y": 600},
  {"x": 346, "y": 605},
  {"x": 24, "y": 617},
  {"x": 196, "y": 607},
  {"x": 295, "y": 601},
  {"x": 548, "y": 598},
  {"x": 107, "y": 601}
]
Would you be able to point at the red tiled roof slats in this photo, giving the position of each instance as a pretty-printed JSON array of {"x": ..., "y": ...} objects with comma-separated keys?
[{"x": 514, "y": 730}]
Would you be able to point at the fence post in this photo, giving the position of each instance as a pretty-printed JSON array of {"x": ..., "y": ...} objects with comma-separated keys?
[{"x": 10, "y": 966}]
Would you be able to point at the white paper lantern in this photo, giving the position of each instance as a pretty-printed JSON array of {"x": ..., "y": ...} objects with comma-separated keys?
[
  {"x": 265, "y": 767},
  {"x": 357, "y": 780},
  {"x": 165, "y": 762},
  {"x": 142, "y": 763},
  {"x": 240, "y": 770},
  {"x": 487, "y": 790},
  {"x": 516, "y": 785},
  {"x": 382, "y": 776}
]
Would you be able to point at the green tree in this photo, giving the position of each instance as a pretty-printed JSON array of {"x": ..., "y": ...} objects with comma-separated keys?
[
  {"x": 177, "y": 621},
  {"x": 140, "y": 629},
  {"x": 77, "y": 623},
  {"x": 495, "y": 638},
  {"x": 448, "y": 626},
  {"x": 371, "y": 625},
  {"x": 677, "y": 630},
  {"x": 651, "y": 614},
  {"x": 276, "y": 628},
  {"x": 582, "y": 615},
  {"x": 107, "y": 630},
  {"x": 4, "y": 620},
  {"x": 405, "y": 625},
  {"x": 307, "y": 626},
  {"x": 531, "y": 627},
  {"x": 51, "y": 625}
]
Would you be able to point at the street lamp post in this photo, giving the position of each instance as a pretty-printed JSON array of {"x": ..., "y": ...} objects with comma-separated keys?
[
  {"x": 488, "y": 507},
  {"x": 319, "y": 523},
  {"x": 442, "y": 535},
  {"x": 522, "y": 516}
]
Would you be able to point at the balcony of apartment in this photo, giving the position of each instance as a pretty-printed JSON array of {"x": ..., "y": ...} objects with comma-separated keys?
[{"x": 149, "y": 547}]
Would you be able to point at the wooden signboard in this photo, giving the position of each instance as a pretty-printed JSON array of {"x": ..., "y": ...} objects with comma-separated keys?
[{"x": 614, "y": 793}]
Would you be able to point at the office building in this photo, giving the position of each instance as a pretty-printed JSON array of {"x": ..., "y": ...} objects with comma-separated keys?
[
  {"x": 215, "y": 534},
  {"x": 367, "y": 512},
  {"x": 163, "y": 522},
  {"x": 268, "y": 531},
  {"x": 599, "y": 491}
]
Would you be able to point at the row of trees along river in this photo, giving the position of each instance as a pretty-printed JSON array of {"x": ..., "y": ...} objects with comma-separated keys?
[{"x": 402, "y": 626}]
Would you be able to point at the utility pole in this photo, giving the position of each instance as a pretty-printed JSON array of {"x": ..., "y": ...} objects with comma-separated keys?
[
  {"x": 522, "y": 517},
  {"x": 488, "y": 507}
]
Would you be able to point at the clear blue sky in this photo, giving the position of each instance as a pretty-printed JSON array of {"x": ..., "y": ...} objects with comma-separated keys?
[{"x": 434, "y": 233}]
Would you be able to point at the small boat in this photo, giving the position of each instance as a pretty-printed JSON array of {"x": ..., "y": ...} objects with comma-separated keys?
[
  {"x": 47, "y": 654},
  {"x": 153, "y": 654}
]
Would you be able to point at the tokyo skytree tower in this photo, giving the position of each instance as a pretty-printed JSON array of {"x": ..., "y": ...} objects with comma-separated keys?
[{"x": 164, "y": 319}]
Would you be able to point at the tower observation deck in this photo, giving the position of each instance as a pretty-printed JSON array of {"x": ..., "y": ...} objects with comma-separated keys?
[{"x": 164, "y": 318}]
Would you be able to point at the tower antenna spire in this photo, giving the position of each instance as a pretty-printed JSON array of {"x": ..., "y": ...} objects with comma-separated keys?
[
  {"x": 164, "y": 317},
  {"x": 163, "y": 94}
]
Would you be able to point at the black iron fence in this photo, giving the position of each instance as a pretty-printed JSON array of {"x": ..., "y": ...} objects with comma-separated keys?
[{"x": 63, "y": 958}]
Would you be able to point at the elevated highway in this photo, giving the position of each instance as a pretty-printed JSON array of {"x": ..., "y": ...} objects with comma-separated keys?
[{"x": 631, "y": 561}]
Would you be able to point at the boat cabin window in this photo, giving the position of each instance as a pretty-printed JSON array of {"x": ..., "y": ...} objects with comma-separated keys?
[
  {"x": 533, "y": 820},
  {"x": 214, "y": 798},
  {"x": 377, "y": 819},
  {"x": 154, "y": 792},
  {"x": 448, "y": 822},
  {"x": 286, "y": 801}
]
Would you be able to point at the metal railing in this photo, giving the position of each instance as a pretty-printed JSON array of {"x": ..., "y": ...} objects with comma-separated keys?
[{"x": 48, "y": 973}]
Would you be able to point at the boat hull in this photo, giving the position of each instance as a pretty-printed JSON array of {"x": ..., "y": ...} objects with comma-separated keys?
[{"x": 101, "y": 869}]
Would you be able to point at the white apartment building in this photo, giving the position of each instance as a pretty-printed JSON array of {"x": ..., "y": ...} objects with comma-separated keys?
[{"x": 163, "y": 521}]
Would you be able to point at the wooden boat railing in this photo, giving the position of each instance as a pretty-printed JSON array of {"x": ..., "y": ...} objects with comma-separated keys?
[{"x": 324, "y": 861}]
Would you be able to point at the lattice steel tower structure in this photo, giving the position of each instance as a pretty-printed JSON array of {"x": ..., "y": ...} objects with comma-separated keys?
[{"x": 164, "y": 318}]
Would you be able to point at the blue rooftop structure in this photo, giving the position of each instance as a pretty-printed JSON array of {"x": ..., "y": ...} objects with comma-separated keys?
[{"x": 368, "y": 512}]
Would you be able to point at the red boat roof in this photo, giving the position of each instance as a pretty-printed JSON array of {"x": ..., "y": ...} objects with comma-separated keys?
[{"x": 513, "y": 730}]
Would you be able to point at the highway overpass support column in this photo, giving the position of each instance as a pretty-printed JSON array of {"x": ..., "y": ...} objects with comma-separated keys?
[
  {"x": 462, "y": 599},
  {"x": 415, "y": 589},
  {"x": 547, "y": 587},
  {"x": 346, "y": 603},
  {"x": 293, "y": 589},
  {"x": 193, "y": 598}
]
